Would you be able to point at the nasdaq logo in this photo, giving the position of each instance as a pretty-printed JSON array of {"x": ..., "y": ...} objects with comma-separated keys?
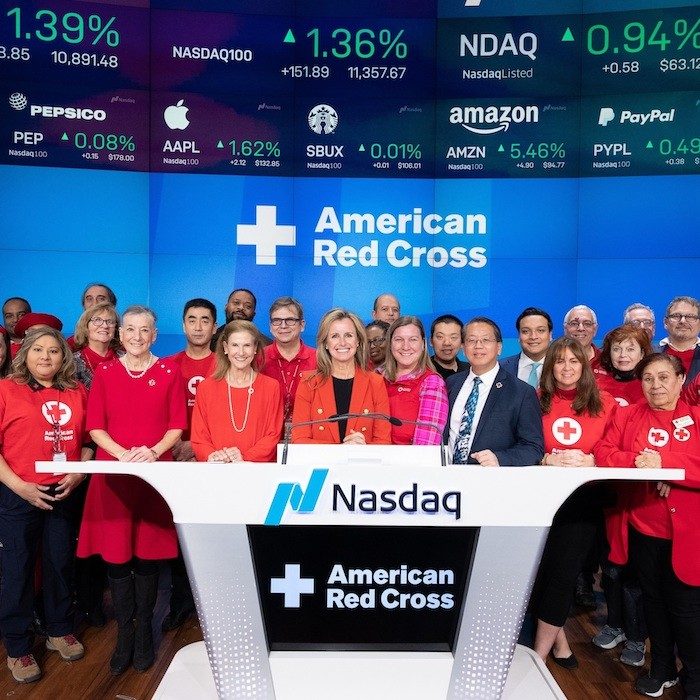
[
  {"x": 492, "y": 119},
  {"x": 266, "y": 234},
  {"x": 292, "y": 494}
]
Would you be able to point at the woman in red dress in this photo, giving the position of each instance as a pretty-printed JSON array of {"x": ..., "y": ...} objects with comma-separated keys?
[
  {"x": 136, "y": 413},
  {"x": 95, "y": 340},
  {"x": 238, "y": 411}
]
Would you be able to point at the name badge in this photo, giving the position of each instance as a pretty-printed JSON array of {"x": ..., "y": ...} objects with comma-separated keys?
[
  {"x": 682, "y": 422},
  {"x": 59, "y": 457}
]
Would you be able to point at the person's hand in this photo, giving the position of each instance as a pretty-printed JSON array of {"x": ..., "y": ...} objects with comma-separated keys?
[
  {"x": 35, "y": 494},
  {"x": 576, "y": 458},
  {"x": 67, "y": 484},
  {"x": 140, "y": 454},
  {"x": 486, "y": 458},
  {"x": 226, "y": 454},
  {"x": 648, "y": 459},
  {"x": 354, "y": 438},
  {"x": 663, "y": 488}
]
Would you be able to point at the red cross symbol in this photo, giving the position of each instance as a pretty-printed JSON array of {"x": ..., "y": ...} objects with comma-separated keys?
[
  {"x": 56, "y": 412},
  {"x": 681, "y": 434},
  {"x": 657, "y": 437},
  {"x": 567, "y": 431},
  {"x": 193, "y": 384}
]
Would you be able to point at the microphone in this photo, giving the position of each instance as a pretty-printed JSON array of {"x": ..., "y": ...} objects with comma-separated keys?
[
  {"x": 425, "y": 424},
  {"x": 374, "y": 416}
]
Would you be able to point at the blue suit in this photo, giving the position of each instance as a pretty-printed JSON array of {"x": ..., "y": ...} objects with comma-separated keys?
[
  {"x": 510, "y": 364},
  {"x": 510, "y": 424}
]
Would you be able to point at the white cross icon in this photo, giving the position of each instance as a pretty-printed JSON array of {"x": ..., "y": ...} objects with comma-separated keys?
[
  {"x": 265, "y": 234},
  {"x": 292, "y": 585}
]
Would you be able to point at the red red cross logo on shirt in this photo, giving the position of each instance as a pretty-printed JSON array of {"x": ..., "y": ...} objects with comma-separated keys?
[
  {"x": 56, "y": 412},
  {"x": 681, "y": 434},
  {"x": 566, "y": 431},
  {"x": 657, "y": 437},
  {"x": 193, "y": 383}
]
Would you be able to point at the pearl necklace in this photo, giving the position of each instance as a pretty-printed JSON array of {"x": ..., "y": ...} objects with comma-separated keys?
[
  {"x": 138, "y": 375},
  {"x": 247, "y": 406}
]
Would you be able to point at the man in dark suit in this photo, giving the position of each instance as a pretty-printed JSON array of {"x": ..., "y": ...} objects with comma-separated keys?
[
  {"x": 534, "y": 328},
  {"x": 495, "y": 419}
]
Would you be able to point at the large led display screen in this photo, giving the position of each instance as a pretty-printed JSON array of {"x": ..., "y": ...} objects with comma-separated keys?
[{"x": 470, "y": 156}]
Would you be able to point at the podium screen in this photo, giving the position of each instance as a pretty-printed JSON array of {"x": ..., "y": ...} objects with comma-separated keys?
[{"x": 361, "y": 588}]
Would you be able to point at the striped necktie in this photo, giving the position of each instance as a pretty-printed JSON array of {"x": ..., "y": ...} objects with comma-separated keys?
[{"x": 461, "y": 451}]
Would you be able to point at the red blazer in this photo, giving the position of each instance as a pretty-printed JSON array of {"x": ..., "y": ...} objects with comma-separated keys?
[
  {"x": 624, "y": 437},
  {"x": 315, "y": 400}
]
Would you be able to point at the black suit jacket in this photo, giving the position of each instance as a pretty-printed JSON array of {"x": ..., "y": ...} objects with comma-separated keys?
[
  {"x": 510, "y": 424},
  {"x": 694, "y": 364}
]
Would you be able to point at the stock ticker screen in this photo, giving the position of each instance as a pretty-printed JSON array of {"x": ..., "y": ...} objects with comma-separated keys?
[{"x": 436, "y": 138}]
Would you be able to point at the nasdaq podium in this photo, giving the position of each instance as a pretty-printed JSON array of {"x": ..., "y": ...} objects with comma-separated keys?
[{"x": 360, "y": 572}]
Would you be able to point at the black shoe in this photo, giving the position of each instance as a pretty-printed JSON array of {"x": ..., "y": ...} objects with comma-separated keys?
[
  {"x": 175, "y": 619},
  {"x": 567, "y": 662},
  {"x": 653, "y": 687}
]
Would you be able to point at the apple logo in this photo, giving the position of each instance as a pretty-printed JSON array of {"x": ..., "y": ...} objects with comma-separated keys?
[{"x": 176, "y": 116}]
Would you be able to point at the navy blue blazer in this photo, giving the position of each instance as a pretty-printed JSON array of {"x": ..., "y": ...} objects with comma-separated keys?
[
  {"x": 510, "y": 364},
  {"x": 510, "y": 424}
]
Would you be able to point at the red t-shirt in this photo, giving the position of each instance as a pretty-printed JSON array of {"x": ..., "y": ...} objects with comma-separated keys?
[
  {"x": 625, "y": 393},
  {"x": 193, "y": 372},
  {"x": 288, "y": 372},
  {"x": 27, "y": 432},
  {"x": 685, "y": 356}
]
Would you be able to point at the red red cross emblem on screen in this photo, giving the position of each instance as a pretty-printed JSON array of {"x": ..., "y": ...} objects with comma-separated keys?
[
  {"x": 657, "y": 437},
  {"x": 56, "y": 412},
  {"x": 566, "y": 431}
]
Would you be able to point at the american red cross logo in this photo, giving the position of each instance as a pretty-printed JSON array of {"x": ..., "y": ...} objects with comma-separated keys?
[
  {"x": 681, "y": 434},
  {"x": 657, "y": 437},
  {"x": 192, "y": 384},
  {"x": 56, "y": 412},
  {"x": 567, "y": 431}
]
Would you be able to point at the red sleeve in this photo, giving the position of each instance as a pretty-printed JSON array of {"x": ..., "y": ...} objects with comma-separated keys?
[
  {"x": 96, "y": 407},
  {"x": 608, "y": 451},
  {"x": 199, "y": 433},
  {"x": 302, "y": 413},
  {"x": 381, "y": 429},
  {"x": 265, "y": 447},
  {"x": 691, "y": 392}
]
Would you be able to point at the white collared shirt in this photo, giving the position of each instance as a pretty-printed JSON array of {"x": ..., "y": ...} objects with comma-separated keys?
[
  {"x": 525, "y": 366},
  {"x": 487, "y": 379},
  {"x": 666, "y": 341}
]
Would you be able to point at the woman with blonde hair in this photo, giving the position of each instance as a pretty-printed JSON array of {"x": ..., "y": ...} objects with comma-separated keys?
[{"x": 341, "y": 385}]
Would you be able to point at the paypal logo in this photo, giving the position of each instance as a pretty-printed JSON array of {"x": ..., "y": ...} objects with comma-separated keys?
[{"x": 292, "y": 494}]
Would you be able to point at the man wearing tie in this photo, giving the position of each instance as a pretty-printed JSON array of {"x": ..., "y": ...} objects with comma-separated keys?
[
  {"x": 495, "y": 419},
  {"x": 534, "y": 328}
]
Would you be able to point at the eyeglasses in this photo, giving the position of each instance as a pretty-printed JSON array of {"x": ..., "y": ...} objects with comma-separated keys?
[
  {"x": 103, "y": 322},
  {"x": 643, "y": 322},
  {"x": 576, "y": 322},
  {"x": 377, "y": 341},
  {"x": 277, "y": 322},
  {"x": 484, "y": 341},
  {"x": 679, "y": 317}
]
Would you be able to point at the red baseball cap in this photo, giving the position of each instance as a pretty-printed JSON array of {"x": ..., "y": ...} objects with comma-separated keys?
[{"x": 35, "y": 319}]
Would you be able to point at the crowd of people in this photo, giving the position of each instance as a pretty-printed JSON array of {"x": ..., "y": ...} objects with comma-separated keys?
[{"x": 233, "y": 392}]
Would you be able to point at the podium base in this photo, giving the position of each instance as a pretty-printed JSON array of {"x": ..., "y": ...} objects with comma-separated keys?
[{"x": 349, "y": 675}]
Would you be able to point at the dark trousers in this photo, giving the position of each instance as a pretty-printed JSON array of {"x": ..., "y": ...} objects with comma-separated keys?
[
  {"x": 180, "y": 591},
  {"x": 624, "y": 598},
  {"x": 22, "y": 529},
  {"x": 570, "y": 539},
  {"x": 672, "y": 610}
]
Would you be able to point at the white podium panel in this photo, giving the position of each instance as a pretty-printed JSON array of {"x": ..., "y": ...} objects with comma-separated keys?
[{"x": 213, "y": 504}]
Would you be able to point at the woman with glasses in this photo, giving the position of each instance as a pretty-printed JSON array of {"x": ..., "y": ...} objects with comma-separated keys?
[
  {"x": 42, "y": 415},
  {"x": 341, "y": 385},
  {"x": 95, "y": 340},
  {"x": 417, "y": 393},
  {"x": 376, "y": 344}
]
